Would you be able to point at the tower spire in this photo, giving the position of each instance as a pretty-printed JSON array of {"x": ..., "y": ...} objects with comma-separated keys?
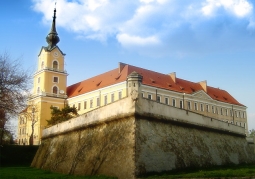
[{"x": 52, "y": 38}]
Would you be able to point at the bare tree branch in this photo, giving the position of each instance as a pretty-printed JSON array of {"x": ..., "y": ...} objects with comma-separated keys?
[{"x": 13, "y": 86}]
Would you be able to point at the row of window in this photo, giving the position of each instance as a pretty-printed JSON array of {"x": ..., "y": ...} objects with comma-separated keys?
[
  {"x": 54, "y": 90},
  {"x": 23, "y": 141},
  {"x": 54, "y": 65},
  {"x": 55, "y": 79},
  {"x": 22, "y": 131},
  {"x": 201, "y": 106},
  {"x": 22, "y": 121},
  {"x": 91, "y": 101}
]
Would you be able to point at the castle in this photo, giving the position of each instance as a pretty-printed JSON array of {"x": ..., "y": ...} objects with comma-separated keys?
[{"x": 50, "y": 89}]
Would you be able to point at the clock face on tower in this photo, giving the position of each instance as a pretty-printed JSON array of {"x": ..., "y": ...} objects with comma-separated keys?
[{"x": 55, "y": 54}]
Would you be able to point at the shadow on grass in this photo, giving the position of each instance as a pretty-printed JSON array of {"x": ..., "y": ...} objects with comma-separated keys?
[
  {"x": 33, "y": 173},
  {"x": 17, "y": 155}
]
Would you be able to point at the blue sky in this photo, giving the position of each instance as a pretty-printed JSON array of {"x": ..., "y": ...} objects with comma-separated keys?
[{"x": 211, "y": 40}]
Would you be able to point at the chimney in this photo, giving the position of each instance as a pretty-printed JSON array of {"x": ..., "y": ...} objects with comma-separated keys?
[
  {"x": 204, "y": 85},
  {"x": 121, "y": 66},
  {"x": 173, "y": 76}
]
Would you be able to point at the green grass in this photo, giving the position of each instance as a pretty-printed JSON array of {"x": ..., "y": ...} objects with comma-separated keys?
[
  {"x": 15, "y": 162},
  {"x": 33, "y": 173},
  {"x": 219, "y": 171}
]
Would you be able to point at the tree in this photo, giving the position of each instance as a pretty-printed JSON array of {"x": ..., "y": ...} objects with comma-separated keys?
[
  {"x": 30, "y": 113},
  {"x": 252, "y": 133},
  {"x": 13, "y": 87},
  {"x": 64, "y": 114}
]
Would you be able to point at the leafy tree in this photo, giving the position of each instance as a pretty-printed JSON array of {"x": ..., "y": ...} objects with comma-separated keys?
[
  {"x": 7, "y": 137},
  {"x": 252, "y": 133},
  {"x": 13, "y": 87},
  {"x": 64, "y": 114}
]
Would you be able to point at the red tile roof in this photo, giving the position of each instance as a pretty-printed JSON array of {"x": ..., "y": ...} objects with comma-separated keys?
[{"x": 150, "y": 78}]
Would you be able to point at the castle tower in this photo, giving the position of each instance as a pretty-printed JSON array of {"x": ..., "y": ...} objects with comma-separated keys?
[
  {"x": 134, "y": 81},
  {"x": 49, "y": 89}
]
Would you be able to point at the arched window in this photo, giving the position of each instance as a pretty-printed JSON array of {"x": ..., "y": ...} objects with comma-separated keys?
[
  {"x": 42, "y": 65},
  {"x": 55, "y": 90},
  {"x": 55, "y": 65}
]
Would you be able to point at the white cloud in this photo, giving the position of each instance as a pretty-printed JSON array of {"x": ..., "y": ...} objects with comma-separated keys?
[
  {"x": 240, "y": 8},
  {"x": 168, "y": 24},
  {"x": 128, "y": 40}
]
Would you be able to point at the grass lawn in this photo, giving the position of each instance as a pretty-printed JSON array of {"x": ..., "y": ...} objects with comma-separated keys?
[
  {"x": 215, "y": 172},
  {"x": 15, "y": 161},
  {"x": 33, "y": 173}
]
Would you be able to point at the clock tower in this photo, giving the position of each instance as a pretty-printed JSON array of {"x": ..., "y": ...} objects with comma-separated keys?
[{"x": 49, "y": 88}]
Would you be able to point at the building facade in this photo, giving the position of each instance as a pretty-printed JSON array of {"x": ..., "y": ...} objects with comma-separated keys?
[{"x": 50, "y": 89}]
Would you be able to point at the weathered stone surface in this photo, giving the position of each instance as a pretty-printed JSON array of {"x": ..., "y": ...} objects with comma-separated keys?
[
  {"x": 102, "y": 149},
  {"x": 130, "y": 137},
  {"x": 166, "y": 146}
]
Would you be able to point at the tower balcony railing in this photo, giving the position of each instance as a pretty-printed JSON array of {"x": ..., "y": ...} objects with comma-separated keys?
[
  {"x": 51, "y": 69},
  {"x": 44, "y": 94}
]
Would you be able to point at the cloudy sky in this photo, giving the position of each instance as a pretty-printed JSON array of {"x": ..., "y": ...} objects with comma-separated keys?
[{"x": 211, "y": 40}]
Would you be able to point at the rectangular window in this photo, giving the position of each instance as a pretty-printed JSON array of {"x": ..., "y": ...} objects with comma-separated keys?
[
  {"x": 221, "y": 111},
  {"x": 149, "y": 96},
  {"x": 216, "y": 109},
  {"x": 142, "y": 95},
  {"x": 91, "y": 103},
  {"x": 239, "y": 114},
  {"x": 120, "y": 94},
  {"x": 85, "y": 104},
  {"x": 173, "y": 102},
  {"x": 236, "y": 114},
  {"x": 105, "y": 100},
  {"x": 166, "y": 101},
  {"x": 158, "y": 99},
  {"x": 243, "y": 114},
  {"x": 188, "y": 105},
  {"x": 55, "y": 79},
  {"x": 79, "y": 106},
  {"x": 98, "y": 102},
  {"x": 195, "y": 106},
  {"x": 207, "y": 108},
  {"x": 38, "y": 80},
  {"x": 202, "y": 107},
  {"x": 231, "y": 112},
  {"x": 112, "y": 97},
  {"x": 226, "y": 112},
  {"x": 213, "y": 109},
  {"x": 181, "y": 104}
]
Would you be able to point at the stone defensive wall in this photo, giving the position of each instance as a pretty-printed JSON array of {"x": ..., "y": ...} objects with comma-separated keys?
[{"x": 135, "y": 136}]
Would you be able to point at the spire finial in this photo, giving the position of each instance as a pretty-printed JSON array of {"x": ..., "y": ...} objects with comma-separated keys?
[{"x": 52, "y": 38}]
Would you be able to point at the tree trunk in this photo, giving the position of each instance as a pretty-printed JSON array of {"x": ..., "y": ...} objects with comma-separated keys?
[{"x": 31, "y": 138}]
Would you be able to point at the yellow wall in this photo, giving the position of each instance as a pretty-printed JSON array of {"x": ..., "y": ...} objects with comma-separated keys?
[{"x": 44, "y": 98}]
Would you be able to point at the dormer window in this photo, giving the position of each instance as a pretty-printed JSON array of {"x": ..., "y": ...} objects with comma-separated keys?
[{"x": 55, "y": 65}]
